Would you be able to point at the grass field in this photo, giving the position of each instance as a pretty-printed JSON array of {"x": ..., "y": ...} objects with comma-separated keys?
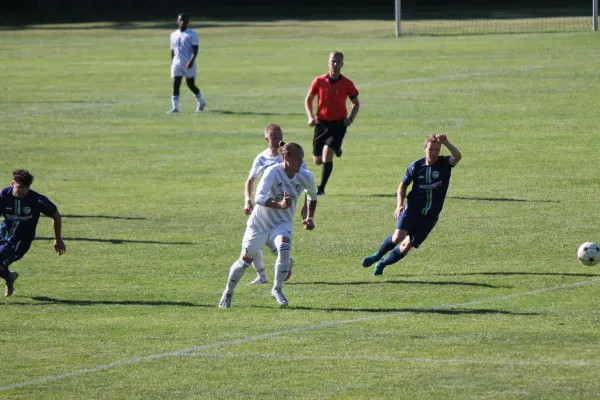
[{"x": 494, "y": 305}]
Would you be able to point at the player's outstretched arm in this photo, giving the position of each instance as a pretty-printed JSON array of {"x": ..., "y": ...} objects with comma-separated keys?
[{"x": 59, "y": 245}]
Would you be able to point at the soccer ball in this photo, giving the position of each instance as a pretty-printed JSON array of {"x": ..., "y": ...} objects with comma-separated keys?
[{"x": 589, "y": 253}]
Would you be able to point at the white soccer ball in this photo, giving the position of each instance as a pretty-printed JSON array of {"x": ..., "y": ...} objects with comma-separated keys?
[{"x": 589, "y": 253}]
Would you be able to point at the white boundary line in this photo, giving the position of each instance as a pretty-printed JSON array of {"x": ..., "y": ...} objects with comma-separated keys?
[
  {"x": 324, "y": 325},
  {"x": 300, "y": 91},
  {"x": 300, "y": 357}
]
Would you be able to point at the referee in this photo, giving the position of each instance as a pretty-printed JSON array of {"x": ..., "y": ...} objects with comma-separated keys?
[{"x": 332, "y": 118}]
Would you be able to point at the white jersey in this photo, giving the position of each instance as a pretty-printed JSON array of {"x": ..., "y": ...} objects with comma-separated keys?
[
  {"x": 263, "y": 161},
  {"x": 274, "y": 184},
  {"x": 182, "y": 45}
]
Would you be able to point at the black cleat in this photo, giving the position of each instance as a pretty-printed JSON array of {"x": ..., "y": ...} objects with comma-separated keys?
[{"x": 10, "y": 283}]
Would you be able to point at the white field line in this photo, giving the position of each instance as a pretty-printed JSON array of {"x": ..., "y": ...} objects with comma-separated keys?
[
  {"x": 324, "y": 325},
  {"x": 300, "y": 357},
  {"x": 299, "y": 91}
]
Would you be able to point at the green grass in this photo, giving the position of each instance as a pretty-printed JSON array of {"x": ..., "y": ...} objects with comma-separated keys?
[{"x": 494, "y": 304}]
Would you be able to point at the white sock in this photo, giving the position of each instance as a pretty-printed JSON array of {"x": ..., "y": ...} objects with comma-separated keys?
[
  {"x": 259, "y": 267},
  {"x": 282, "y": 265},
  {"x": 175, "y": 102},
  {"x": 235, "y": 274}
]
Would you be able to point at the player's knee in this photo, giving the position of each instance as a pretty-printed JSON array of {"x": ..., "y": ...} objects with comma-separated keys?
[{"x": 398, "y": 236}]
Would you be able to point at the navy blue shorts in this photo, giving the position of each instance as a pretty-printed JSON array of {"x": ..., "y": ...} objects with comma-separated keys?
[
  {"x": 418, "y": 226},
  {"x": 11, "y": 252}
]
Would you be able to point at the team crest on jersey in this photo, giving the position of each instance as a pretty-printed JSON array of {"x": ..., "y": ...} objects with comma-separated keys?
[
  {"x": 26, "y": 210},
  {"x": 435, "y": 174},
  {"x": 298, "y": 188}
]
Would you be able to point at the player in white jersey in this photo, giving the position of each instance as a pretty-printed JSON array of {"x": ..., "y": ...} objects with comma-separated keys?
[
  {"x": 184, "y": 49},
  {"x": 267, "y": 158},
  {"x": 271, "y": 219}
]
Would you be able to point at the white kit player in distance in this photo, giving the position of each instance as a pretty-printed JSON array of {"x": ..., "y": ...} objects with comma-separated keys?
[
  {"x": 271, "y": 219},
  {"x": 184, "y": 49},
  {"x": 267, "y": 158}
]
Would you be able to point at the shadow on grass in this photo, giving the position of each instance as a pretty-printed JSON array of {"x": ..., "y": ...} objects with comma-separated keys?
[
  {"x": 441, "y": 283},
  {"x": 418, "y": 310},
  {"x": 500, "y": 199},
  {"x": 229, "y": 112},
  {"x": 51, "y": 300},
  {"x": 113, "y": 241},
  {"x": 100, "y": 216},
  {"x": 508, "y": 273}
]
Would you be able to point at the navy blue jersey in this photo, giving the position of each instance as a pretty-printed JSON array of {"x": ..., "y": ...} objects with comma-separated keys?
[
  {"x": 430, "y": 184},
  {"x": 21, "y": 215}
]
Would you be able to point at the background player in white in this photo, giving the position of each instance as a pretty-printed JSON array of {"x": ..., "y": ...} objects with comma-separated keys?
[
  {"x": 271, "y": 219},
  {"x": 267, "y": 158},
  {"x": 184, "y": 49}
]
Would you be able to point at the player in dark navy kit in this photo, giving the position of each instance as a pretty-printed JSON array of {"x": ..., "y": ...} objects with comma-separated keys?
[
  {"x": 21, "y": 208},
  {"x": 430, "y": 177}
]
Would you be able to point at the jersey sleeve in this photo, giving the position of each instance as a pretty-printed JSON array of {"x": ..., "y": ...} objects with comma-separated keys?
[
  {"x": 314, "y": 87},
  {"x": 352, "y": 90},
  {"x": 172, "y": 44},
  {"x": 255, "y": 169},
  {"x": 264, "y": 187},
  {"x": 409, "y": 175},
  {"x": 195, "y": 39},
  {"x": 47, "y": 207},
  {"x": 447, "y": 162}
]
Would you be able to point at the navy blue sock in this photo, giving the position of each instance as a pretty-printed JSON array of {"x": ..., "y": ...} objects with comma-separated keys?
[
  {"x": 393, "y": 257},
  {"x": 386, "y": 246}
]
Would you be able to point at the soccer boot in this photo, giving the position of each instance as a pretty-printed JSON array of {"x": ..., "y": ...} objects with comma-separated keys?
[
  {"x": 369, "y": 260},
  {"x": 201, "y": 105},
  {"x": 378, "y": 269},
  {"x": 172, "y": 111},
  {"x": 10, "y": 283},
  {"x": 277, "y": 294},
  {"x": 258, "y": 281},
  {"x": 225, "y": 300},
  {"x": 290, "y": 271}
]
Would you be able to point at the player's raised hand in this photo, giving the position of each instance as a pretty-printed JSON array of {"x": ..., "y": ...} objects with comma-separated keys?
[
  {"x": 287, "y": 201},
  {"x": 309, "y": 225},
  {"x": 441, "y": 138},
  {"x": 248, "y": 207}
]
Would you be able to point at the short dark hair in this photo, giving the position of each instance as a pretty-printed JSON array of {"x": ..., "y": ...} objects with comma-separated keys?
[
  {"x": 22, "y": 177},
  {"x": 184, "y": 16}
]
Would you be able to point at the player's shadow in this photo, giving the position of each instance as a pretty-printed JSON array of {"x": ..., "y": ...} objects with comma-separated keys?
[
  {"x": 50, "y": 300},
  {"x": 403, "y": 282},
  {"x": 509, "y": 273},
  {"x": 230, "y": 112},
  {"x": 499, "y": 199},
  {"x": 113, "y": 241},
  {"x": 442, "y": 311},
  {"x": 101, "y": 217}
]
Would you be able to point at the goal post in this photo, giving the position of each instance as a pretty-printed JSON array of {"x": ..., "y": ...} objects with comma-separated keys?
[{"x": 470, "y": 16}]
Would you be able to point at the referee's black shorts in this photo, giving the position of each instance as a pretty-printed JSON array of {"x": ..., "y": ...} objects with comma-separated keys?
[{"x": 330, "y": 133}]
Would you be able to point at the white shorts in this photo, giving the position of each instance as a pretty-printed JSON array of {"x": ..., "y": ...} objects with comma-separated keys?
[
  {"x": 253, "y": 241},
  {"x": 179, "y": 69}
]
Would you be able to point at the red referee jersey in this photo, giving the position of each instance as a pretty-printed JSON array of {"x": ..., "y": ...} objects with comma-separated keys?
[{"x": 332, "y": 96}]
